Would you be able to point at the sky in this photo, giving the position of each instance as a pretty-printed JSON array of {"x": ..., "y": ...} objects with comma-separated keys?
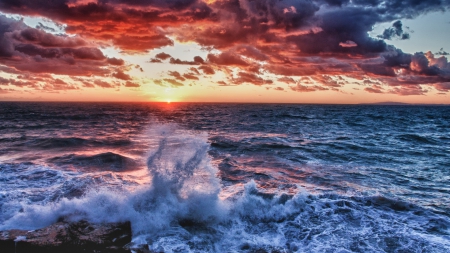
[{"x": 260, "y": 51}]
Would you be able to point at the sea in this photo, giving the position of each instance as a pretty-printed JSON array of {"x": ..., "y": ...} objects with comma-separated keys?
[{"x": 208, "y": 177}]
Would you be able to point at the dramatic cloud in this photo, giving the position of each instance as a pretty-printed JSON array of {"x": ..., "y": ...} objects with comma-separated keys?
[
  {"x": 115, "y": 61},
  {"x": 287, "y": 80},
  {"x": 227, "y": 58},
  {"x": 132, "y": 85},
  {"x": 249, "y": 42},
  {"x": 444, "y": 87},
  {"x": 250, "y": 78},
  {"x": 163, "y": 56},
  {"x": 304, "y": 88},
  {"x": 26, "y": 50},
  {"x": 396, "y": 31},
  {"x": 207, "y": 70},
  {"x": 190, "y": 76},
  {"x": 348, "y": 43},
  {"x": 180, "y": 62},
  {"x": 39, "y": 37},
  {"x": 120, "y": 75},
  {"x": 374, "y": 89},
  {"x": 173, "y": 82},
  {"x": 176, "y": 75}
]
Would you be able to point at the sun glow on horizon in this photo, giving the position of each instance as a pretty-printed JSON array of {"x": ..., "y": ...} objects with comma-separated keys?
[{"x": 66, "y": 63}]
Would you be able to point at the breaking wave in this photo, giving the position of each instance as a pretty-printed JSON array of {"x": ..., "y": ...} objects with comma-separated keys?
[{"x": 182, "y": 209}]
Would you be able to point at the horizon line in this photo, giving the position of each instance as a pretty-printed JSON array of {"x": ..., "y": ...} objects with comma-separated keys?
[{"x": 212, "y": 102}]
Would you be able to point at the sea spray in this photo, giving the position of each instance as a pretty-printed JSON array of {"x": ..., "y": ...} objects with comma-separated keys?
[
  {"x": 180, "y": 211},
  {"x": 184, "y": 187},
  {"x": 184, "y": 191}
]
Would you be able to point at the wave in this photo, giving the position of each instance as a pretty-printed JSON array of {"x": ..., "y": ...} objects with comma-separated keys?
[
  {"x": 182, "y": 210},
  {"x": 47, "y": 143},
  {"x": 286, "y": 115},
  {"x": 255, "y": 221},
  {"x": 74, "y": 142},
  {"x": 13, "y": 139},
  {"x": 417, "y": 139},
  {"x": 99, "y": 162},
  {"x": 250, "y": 144}
]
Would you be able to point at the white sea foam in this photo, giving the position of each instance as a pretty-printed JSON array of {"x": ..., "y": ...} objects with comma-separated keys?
[
  {"x": 184, "y": 188},
  {"x": 181, "y": 211}
]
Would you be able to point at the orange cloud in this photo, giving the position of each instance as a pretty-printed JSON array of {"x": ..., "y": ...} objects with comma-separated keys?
[{"x": 284, "y": 39}]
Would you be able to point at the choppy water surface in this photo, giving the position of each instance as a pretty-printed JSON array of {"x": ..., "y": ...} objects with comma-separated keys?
[{"x": 233, "y": 177}]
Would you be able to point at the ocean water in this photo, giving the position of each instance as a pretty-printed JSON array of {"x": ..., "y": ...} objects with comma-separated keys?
[{"x": 233, "y": 177}]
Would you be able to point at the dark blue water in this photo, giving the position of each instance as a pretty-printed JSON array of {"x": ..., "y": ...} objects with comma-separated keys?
[{"x": 233, "y": 177}]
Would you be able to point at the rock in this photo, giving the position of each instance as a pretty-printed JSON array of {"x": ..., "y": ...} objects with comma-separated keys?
[{"x": 68, "y": 237}]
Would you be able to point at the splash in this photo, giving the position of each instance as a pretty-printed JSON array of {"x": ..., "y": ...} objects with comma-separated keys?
[
  {"x": 184, "y": 190},
  {"x": 184, "y": 187},
  {"x": 180, "y": 211}
]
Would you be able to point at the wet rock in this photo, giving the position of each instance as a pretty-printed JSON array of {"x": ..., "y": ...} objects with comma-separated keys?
[{"x": 68, "y": 237}]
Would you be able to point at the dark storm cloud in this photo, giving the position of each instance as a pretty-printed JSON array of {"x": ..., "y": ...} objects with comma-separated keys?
[
  {"x": 420, "y": 63},
  {"x": 396, "y": 31},
  {"x": 44, "y": 27},
  {"x": 7, "y": 26},
  {"x": 24, "y": 49},
  {"x": 40, "y": 37},
  {"x": 409, "y": 71},
  {"x": 404, "y": 8},
  {"x": 171, "y": 4},
  {"x": 378, "y": 69},
  {"x": 396, "y": 58},
  {"x": 442, "y": 52},
  {"x": 84, "y": 53},
  {"x": 351, "y": 24},
  {"x": 285, "y": 14}
]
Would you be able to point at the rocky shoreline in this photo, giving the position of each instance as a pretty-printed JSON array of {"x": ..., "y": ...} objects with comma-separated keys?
[{"x": 69, "y": 237}]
